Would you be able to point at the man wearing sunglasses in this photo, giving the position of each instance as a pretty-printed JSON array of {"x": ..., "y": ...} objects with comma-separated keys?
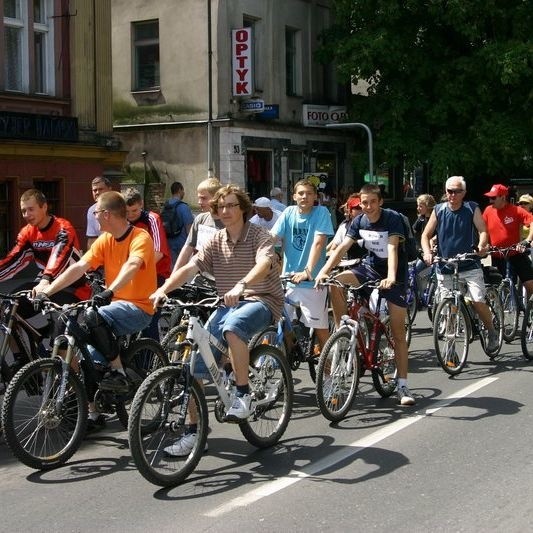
[
  {"x": 504, "y": 221},
  {"x": 455, "y": 221}
]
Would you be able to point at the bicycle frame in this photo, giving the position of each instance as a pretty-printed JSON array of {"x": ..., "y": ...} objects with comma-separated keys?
[{"x": 360, "y": 314}]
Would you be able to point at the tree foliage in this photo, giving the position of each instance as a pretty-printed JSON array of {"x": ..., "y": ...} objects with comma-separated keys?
[{"x": 450, "y": 81}]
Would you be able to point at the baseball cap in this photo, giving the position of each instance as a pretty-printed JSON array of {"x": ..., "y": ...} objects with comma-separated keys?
[
  {"x": 497, "y": 190},
  {"x": 525, "y": 199},
  {"x": 262, "y": 202},
  {"x": 353, "y": 202}
]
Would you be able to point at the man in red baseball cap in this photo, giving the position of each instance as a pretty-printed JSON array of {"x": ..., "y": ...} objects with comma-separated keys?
[{"x": 504, "y": 221}]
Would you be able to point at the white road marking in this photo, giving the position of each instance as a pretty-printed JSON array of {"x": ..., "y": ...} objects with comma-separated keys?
[{"x": 347, "y": 451}]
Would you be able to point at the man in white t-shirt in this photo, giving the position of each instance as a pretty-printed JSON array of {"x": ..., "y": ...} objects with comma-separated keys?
[
  {"x": 99, "y": 185},
  {"x": 265, "y": 214},
  {"x": 276, "y": 197}
]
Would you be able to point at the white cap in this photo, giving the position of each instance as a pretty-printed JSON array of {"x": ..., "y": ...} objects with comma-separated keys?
[{"x": 263, "y": 202}]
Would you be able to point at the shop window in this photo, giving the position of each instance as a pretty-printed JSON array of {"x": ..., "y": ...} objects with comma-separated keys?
[
  {"x": 5, "y": 219},
  {"x": 257, "y": 70},
  {"x": 51, "y": 190},
  {"x": 146, "y": 70}
]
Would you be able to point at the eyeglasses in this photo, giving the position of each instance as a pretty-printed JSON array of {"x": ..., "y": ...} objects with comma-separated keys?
[
  {"x": 220, "y": 207},
  {"x": 523, "y": 203},
  {"x": 99, "y": 211},
  {"x": 454, "y": 191}
]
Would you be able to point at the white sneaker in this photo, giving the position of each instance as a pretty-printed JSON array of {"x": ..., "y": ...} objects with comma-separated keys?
[
  {"x": 240, "y": 409},
  {"x": 183, "y": 446},
  {"x": 404, "y": 396}
]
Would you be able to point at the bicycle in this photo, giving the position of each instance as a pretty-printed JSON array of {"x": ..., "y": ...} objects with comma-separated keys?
[
  {"x": 456, "y": 323},
  {"x": 160, "y": 409},
  {"x": 421, "y": 297},
  {"x": 20, "y": 342},
  {"x": 45, "y": 408},
  {"x": 362, "y": 342},
  {"x": 305, "y": 348},
  {"x": 509, "y": 295}
]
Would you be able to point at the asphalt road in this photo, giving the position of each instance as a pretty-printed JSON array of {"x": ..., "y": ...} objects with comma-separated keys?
[{"x": 460, "y": 460}]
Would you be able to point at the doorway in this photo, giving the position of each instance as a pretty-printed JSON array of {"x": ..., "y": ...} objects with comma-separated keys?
[{"x": 258, "y": 173}]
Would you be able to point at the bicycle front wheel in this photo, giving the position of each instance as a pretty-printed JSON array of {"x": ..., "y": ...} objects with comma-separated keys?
[
  {"x": 271, "y": 388},
  {"x": 268, "y": 336},
  {"x": 337, "y": 376},
  {"x": 41, "y": 428},
  {"x": 155, "y": 424},
  {"x": 511, "y": 310},
  {"x": 496, "y": 311},
  {"x": 451, "y": 336},
  {"x": 526, "y": 335}
]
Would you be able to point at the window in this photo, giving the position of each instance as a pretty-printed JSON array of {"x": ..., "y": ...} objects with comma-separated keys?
[
  {"x": 146, "y": 55},
  {"x": 293, "y": 62},
  {"x": 5, "y": 219},
  {"x": 25, "y": 72},
  {"x": 51, "y": 190}
]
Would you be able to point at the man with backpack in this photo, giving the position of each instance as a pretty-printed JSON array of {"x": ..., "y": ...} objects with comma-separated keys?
[
  {"x": 177, "y": 219},
  {"x": 455, "y": 222}
]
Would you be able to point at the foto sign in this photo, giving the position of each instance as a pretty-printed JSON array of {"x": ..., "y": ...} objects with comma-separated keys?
[
  {"x": 241, "y": 62},
  {"x": 320, "y": 115}
]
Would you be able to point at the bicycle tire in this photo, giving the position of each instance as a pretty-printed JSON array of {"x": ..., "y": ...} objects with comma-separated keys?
[
  {"x": 175, "y": 335},
  {"x": 511, "y": 310},
  {"x": 272, "y": 379},
  {"x": 156, "y": 405},
  {"x": 496, "y": 311},
  {"x": 526, "y": 334},
  {"x": 384, "y": 371},
  {"x": 432, "y": 298},
  {"x": 450, "y": 324},
  {"x": 268, "y": 336},
  {"x": 142, "y": 357},
  {"x": 35, "y": 434},
  {"x": 337, "y": 376},
  {"x": 412, "y": 301}
]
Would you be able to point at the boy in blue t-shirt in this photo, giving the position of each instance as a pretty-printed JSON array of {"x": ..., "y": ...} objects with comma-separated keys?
[
  {"x": 380, "y": 231},
  {"x": 304, "y": 229}
]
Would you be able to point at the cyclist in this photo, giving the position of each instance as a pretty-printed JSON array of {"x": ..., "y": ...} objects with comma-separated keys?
[
  {"x": 241, "y": 257},
  {"x": 454, "y": 221},
  {"x": 504, "y": 221},
  {"x": 99, "y": 185},
  {"x": 127, "y": 256},
  {"x": 52, "y": 243},
  {"x": 204, "y": 226},
  {"x": 380, "y": 231},
  {"x": 351, "y": 209},
  {"x": 303, "y": 230}
]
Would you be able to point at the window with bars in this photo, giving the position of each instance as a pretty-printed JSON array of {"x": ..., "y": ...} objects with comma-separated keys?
[{"x": 145, "y": 37}]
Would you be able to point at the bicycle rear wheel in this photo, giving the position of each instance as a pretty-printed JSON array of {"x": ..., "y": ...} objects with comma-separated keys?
[
  {"x": 157, "y": 405},
  {"x": 511, "y": 310},
  {"x": 271, "y": 388},
  {"x": 451, "y": 336},
  {"x": 268, "y": 336},
  {"x": 142, "y": 357},
  {"x": 337, "y": 376},
  {"x": 39, "y": 432},
  {"x": 496, "y": 310},
  {"x": 526, "y": 335},
  {"x": 384, "y": 372}
]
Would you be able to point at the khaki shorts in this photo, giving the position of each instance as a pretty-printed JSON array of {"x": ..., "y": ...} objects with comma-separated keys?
[{"x": 474, "y": 282}]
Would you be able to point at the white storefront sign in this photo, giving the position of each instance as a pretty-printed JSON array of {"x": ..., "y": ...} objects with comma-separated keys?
[
  {"x": 241, "y": 62},
  {"x": 320, "y": 115}
]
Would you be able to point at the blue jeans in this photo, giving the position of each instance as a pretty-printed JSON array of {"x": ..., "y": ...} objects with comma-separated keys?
[
  {"x": 123, "y": 318},
  {"x": 244, "y": 320}
]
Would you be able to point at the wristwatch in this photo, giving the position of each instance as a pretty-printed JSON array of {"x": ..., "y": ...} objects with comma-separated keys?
[{"x": 243, "y": 283}]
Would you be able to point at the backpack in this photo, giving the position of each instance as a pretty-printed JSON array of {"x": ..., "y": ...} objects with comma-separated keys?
[
  {"x": 171, "y": 219},
  {"x": 409, "y": 244}
]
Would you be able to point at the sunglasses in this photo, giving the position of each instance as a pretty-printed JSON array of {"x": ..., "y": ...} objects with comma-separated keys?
[{"x": 454, "y": 191}]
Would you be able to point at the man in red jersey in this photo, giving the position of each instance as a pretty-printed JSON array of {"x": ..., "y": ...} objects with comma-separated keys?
[
  {"x": 51, "y": 242},
  {"x": 504, "y": 221}
]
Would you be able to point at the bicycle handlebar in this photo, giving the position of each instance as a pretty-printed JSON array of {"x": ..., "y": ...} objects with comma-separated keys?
[
  {"x": 456, "y": 258},
  {"x": 333, "y": 282},
  {"x": 16, "y": 295},
  {"x": 210, "y": 302}
]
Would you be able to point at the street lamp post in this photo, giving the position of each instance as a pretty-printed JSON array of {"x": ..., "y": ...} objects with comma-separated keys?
[{"x": 348, "y": 125}]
